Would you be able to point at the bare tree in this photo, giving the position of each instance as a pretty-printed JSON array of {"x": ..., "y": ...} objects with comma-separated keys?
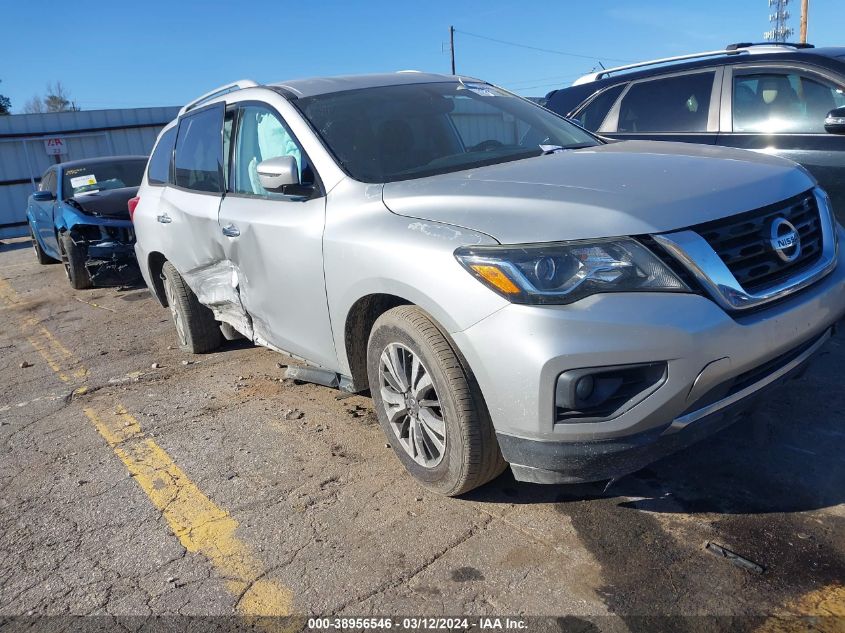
[
  {"x": 34, "y": 106},
  {"x": 57, "y": 99}
]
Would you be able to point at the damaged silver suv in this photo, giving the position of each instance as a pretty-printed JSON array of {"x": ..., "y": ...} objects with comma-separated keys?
[{"x": 508, "y": 287}]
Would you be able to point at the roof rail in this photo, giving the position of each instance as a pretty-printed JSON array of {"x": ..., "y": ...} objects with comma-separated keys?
[
  {"x": 731, "y": 49},
  {"x": 217, "y": 92},
  {"x": 604, "y": 73}
]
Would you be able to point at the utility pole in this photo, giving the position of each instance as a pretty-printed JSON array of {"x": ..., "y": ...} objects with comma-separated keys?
[
  {"x": 452, "y": 46},
  {"x": 805, "y": 8}
]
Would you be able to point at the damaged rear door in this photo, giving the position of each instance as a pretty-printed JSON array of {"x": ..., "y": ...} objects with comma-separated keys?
[
  {"x": 275, "y": 240},
  {"x": 187, "y": 215}
]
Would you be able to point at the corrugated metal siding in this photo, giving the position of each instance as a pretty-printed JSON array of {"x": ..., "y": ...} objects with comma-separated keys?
[{"x": 87, "y": 134}]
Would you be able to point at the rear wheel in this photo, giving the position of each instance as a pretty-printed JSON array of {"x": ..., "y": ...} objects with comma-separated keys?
[
  {"x": 73, "y": 257},
  {"x": 197, "y": 330},
  {"x": 40, "y": 255},
  {"x": 428, "y": 406},
  {"x": 230, "y": 333}
]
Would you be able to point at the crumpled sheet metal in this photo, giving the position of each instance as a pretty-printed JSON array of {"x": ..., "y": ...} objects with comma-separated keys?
[{"x": 217, "y": 286}]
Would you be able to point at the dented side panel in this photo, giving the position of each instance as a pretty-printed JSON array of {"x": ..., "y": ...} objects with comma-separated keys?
[
  {"x": 279, "y": 258},
  {"x": 217, "y": 286}
]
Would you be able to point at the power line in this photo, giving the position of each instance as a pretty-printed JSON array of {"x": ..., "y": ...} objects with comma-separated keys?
[
  {"x": 537, "y": 48},
  {"x": 557, "y": 78},
  {"x": 524, "y": 88}
]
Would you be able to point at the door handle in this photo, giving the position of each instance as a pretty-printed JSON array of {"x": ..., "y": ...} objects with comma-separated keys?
[
  {"x": 230, "y": 230},
  {"x": 164, "y": 218}
]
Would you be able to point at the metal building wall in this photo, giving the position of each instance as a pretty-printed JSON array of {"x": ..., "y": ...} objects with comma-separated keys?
[
  {"x": 86, "y": 134},
  {"x": 477, "y": 122}
]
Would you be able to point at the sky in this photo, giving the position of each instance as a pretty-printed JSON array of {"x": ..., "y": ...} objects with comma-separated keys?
[{"x": 158, "y": 53}]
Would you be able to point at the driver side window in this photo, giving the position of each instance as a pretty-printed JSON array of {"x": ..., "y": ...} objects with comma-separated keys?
[
  {"x": 48, "y": 182},
  {"x": 262, "y": 135}
]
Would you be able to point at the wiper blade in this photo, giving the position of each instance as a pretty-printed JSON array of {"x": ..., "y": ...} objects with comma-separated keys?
[{"x": 554, "y": 149}]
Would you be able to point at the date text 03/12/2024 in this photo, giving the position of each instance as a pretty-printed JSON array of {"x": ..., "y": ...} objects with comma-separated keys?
[{"x": 417, "y": 623}]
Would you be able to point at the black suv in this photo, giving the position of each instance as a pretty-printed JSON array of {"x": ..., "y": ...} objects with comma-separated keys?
[{"x": 785, "y": 99}]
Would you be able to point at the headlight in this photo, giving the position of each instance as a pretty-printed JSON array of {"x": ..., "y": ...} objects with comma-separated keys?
[{"x": 564, "y": 272}]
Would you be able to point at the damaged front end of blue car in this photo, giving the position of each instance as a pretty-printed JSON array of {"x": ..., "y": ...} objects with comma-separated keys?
[{"x": 97, "y": 227}]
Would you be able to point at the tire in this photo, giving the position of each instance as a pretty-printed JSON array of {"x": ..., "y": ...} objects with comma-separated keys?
[
  {"x": 196, "y": 329},
  {"x": 73, "y": 257},
  {"x": 42, "y": 257},
  {"x": 229, "y": 333},
  {"x": 470, "y": 455}
]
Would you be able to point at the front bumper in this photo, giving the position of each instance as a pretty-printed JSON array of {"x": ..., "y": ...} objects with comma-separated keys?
[
  {"x": 518, "y": 352},
  {"x": 573, "y": 462},
  {"x": 109, "y": 251}
]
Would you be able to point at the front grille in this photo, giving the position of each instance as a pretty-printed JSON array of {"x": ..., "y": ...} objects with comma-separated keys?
[{"x": 743, "y": 242}]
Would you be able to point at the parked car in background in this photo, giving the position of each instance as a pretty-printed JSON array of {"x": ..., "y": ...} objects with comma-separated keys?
[
  {"x": 771, "y": 98},
  {"x": 508, "y": 287},
  {"x": 79, "y": 216}
]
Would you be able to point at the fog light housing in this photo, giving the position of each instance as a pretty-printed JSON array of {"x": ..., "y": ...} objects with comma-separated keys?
[
  {"x": 597, "y": 394},
  {"x": 584, "y": 388}
]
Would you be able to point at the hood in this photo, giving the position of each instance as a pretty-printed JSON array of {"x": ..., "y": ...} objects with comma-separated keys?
[
  {"x": 109, "y": 203},
  {"x": 625, "y": 188}
]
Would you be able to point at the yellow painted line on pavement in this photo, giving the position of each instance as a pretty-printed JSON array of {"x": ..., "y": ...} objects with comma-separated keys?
[
  {"x": 820, "y": 611},
  {"x": 200, "y": 525},
  {"x": 59, "y": 358}
]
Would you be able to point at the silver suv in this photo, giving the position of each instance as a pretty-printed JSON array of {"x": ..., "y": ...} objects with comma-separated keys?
[{"x": 509, "y": 288}]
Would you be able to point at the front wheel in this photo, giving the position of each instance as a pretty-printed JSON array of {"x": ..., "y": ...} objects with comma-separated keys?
[
  {"x": 429, "y": 406},
  {"x": 42, "y": 257},
  {"x": 73, "y": 257},
  {"x": 196, "y": 328}
]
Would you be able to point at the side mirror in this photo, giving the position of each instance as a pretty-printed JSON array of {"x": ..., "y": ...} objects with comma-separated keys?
[
  {"x": 279, "y": 172},
  {"x": 834, "y": 122},
  {"x": 43, "y": 196}
]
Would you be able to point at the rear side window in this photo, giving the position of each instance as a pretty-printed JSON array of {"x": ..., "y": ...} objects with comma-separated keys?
[
  {"x": 158, "y": 173},
  {"x": 199, "y": 151},
  {"x": 783, "y": 102},
  {"x": 674, "y": 104},
  {"x": 592, "y": 116}
]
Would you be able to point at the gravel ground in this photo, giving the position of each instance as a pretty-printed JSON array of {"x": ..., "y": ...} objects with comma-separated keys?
[{"x": 137, "y": 480}]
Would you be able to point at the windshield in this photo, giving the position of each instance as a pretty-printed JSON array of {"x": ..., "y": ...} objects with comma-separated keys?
[
  {"x": 101, "y": 176},
  {"x": 409, "y": 131}
]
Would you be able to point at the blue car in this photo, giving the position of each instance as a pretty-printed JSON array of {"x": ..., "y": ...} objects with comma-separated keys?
[{"x": 80, "y": 217}]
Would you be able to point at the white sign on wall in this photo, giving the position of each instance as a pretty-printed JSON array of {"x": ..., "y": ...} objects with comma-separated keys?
[{"x": 55, "y": 146}]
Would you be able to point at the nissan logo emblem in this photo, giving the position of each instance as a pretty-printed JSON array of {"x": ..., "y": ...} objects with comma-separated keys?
[{"x": 785, "y": 241}]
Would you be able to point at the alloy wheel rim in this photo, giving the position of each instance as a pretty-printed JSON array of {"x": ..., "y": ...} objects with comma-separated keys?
[
  {"x": 412, "y": 405},
  {"x": 177, "y": 319}
]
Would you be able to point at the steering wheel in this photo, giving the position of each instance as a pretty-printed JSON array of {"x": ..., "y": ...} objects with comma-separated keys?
[{"x": 486, "y": 146}]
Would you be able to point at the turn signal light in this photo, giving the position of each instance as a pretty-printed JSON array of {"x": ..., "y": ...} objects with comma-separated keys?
[{"x": 495, "y": 277}]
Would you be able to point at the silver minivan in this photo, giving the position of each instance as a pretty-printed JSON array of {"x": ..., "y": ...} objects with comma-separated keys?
[{"x": 511, "y": 289}]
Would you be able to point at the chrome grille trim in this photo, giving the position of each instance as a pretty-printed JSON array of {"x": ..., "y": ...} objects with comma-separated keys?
[
  {"x": 694, "y": 252},
  {"x": 743, "y": 241}
]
